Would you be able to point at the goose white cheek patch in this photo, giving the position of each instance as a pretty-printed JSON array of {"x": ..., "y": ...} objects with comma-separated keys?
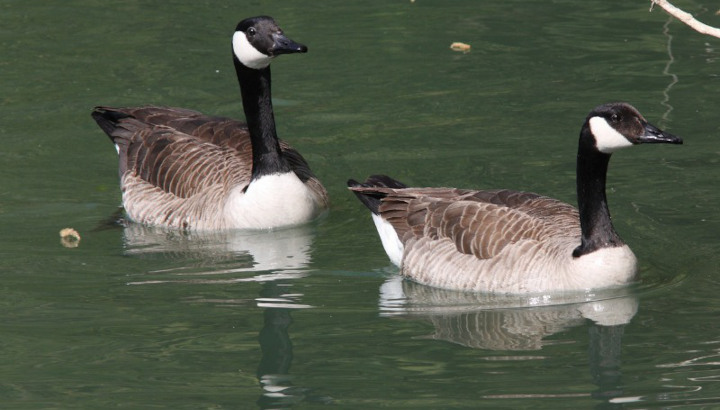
[
  {"x": 608, "y": 140},
  {"x": 247, "y": 54}
]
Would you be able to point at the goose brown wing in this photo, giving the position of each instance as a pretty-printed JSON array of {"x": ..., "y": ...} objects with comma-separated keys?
[
  {"x": 220, "y": 131},
  {"x": 558, "y": 217},
  {"x": 480, "y": 223},
  {"x": 182, "y": 165}
]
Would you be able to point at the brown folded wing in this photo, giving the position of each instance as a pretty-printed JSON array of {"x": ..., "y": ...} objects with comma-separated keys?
[{"x": 479, "y": 223}]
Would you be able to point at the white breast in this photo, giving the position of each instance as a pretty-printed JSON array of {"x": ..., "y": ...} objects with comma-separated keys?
[
  {"x": 605, "y": 267},
  {"x": 271, "y": 201}
]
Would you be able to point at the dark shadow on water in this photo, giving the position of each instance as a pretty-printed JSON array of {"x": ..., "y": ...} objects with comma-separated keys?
[
  {"x": 605, "y": 363},
  {"x": 273, "y": 371}
]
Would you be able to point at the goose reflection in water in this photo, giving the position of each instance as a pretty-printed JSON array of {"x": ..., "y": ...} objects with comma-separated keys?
[
  {"x": 275, "y": 255},
  {"x": 273, "y": 372},
  {"x": 513, "y": 323},
  {"x": 278, "y": 257}
]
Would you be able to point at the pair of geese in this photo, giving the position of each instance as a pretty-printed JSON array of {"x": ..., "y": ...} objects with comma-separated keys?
[{"x": 182, "y": 169}]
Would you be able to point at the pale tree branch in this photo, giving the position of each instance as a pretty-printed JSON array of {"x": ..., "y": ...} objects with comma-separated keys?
[{"x": 687, "y": 18}]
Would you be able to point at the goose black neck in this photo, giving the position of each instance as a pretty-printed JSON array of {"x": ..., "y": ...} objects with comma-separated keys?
[
  {"x": 257, "y": 104},
  {"x": 595, "y": 222}
]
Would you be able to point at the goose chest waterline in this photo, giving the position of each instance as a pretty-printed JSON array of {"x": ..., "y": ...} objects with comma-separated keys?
[
  {"x": 527, "y": 267},
  {"x": 272, "y": 209},
  {"x": 508, "y": 241},
  {"x": 182, "y": 169}
]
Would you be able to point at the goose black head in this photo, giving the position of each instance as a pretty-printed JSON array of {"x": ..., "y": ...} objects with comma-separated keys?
[
  {"x": 257, "y": 40},
  {"x": 619, "y": 125}
]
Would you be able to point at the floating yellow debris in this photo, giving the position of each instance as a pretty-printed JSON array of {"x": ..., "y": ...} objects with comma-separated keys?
[
  {"x": 458, "y": 46},
  {"x": 69, "y": 238}
]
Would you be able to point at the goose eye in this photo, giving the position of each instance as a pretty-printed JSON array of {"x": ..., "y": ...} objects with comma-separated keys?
[
  {"x": 251, "y": 31},
  {"x": 615, "y": 118}
]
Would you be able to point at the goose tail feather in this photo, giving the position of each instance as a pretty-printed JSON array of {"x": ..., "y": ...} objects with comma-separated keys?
[
  {"x": 120, "y": 128},
  {"x": 108, "y": 119},
  {"x": 371, "y": 199}
]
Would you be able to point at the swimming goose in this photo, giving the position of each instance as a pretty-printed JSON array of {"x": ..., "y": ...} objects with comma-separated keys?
[
  {"x": 183, "y": 169},
  {"x": 506, "y": 241}
]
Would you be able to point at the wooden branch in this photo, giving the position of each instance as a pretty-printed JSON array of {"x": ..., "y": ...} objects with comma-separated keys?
[{"x": 687, "y": 18}]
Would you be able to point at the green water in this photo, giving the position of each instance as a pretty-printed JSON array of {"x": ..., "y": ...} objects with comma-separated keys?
[{"x": 316, "y": 316}]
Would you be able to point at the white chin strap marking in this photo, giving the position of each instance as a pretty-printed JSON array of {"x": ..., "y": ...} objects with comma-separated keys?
[
  {"x": 608, "y": 140},
  {"x": 247, "y": 54}
]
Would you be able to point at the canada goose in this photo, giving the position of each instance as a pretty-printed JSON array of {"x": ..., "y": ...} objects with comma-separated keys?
[
  {"x": 508, "y": 241},
  {"x": 183, "y": 169}
]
